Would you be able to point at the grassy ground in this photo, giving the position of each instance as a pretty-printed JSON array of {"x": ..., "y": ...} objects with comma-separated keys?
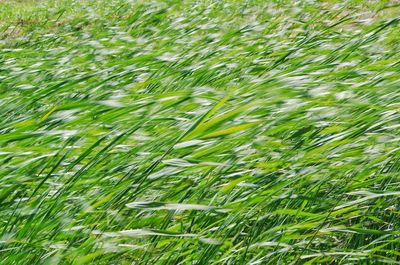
[{"x": 199, "y": 132}]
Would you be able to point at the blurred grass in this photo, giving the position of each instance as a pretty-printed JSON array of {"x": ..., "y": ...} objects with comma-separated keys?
[{"x": 199, "y": 132}]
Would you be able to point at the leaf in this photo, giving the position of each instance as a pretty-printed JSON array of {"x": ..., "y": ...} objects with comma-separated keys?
[
  {"x": 231, "y": 130},
  {"x": 148, "y": 232},
  {"x": 202, "y": 127},
  {"x": 178, "y": 163},
  {"x": 370, "y": 196},
  {"x": 167, "y": 206},
  {"x": 230, "y": 185}
]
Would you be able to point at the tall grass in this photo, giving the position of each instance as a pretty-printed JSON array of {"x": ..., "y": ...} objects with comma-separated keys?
[{"x": 199, "y": 132}]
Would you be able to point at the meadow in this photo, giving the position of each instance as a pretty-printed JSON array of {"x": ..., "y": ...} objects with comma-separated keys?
[{"x": 199, "y": 132}]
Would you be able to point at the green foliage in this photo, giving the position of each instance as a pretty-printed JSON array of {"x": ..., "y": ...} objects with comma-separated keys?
[{"x": 199, "y": 132}]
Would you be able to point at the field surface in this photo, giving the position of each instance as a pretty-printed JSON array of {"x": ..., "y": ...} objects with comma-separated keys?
[{"x": 199, "y": 132}]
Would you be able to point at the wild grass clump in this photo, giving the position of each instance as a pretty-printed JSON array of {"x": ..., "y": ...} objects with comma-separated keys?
[{"x": 199, "y": 132}]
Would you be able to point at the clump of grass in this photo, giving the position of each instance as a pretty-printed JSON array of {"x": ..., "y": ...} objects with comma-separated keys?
[{"x": 208, "y": 132}]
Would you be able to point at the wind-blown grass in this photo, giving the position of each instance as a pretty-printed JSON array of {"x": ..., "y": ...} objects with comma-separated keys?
[{"x": 199, "y": 132}]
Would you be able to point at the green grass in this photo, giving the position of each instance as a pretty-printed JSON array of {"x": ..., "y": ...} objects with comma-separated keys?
[{"x": 199, "y": 132}]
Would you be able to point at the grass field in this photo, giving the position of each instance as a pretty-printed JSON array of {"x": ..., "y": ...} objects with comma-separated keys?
[{"x": 199, "y": 132}]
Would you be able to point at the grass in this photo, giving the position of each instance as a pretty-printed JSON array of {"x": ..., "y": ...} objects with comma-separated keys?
[{"x": 199, "y": 132}]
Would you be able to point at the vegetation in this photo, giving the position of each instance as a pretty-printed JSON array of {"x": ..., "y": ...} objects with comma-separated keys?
[{"x": 199, "y": 132}]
